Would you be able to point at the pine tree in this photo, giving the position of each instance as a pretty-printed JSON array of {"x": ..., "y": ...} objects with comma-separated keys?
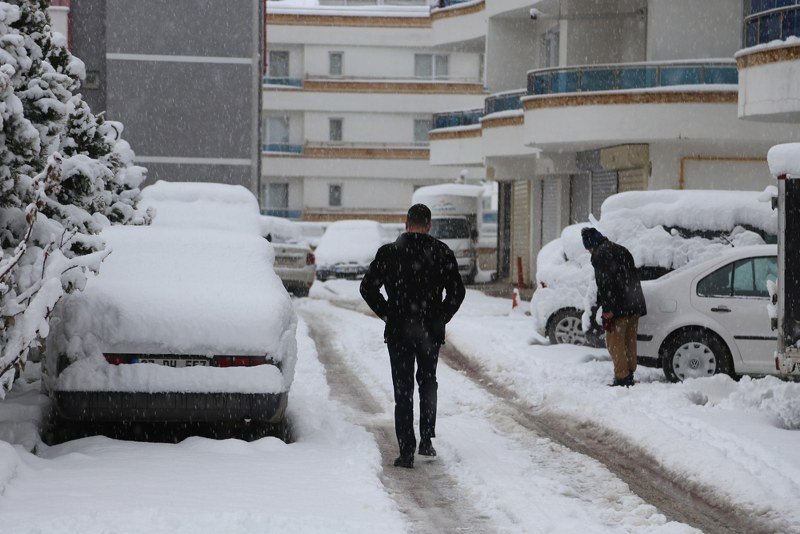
[{"x": 64, "y": 175}]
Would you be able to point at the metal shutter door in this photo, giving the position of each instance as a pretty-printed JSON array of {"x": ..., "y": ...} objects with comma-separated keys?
[
  {"x": 550, "y": 225},
  {"x": 579, "y": 193},
  {"x": 633, "y": 180},
  {"x": 604, "y": 184}
]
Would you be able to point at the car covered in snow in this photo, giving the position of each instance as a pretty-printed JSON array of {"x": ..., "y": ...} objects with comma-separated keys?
[
  {"x": 347, "y": 248},
  {"x": 713, "y": 317},
  {"x": 664, "y": 230},
  {"x": 295, "y": 262},
  {"x": 186, "y": 320}
]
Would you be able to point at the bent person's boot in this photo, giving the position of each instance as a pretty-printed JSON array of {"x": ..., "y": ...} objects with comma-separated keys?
[
  {"x": 426, "y": 448},
  {"x": 404, "y": 461},
  {"x": 629, "y": 380},
  {"x": 620, "y": 382}
]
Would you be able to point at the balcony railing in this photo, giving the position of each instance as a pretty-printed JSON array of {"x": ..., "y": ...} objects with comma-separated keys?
[
  {"x": 629, "y": 76},
  {"x": 284, "y": 148},
  {"x": 771, "y": 20},
  {"x": 275, "y": 80},
  {"x": 283, "y": 212},
  {"x": 452, "y": 119},
  {"x": 504, "y": 102}
]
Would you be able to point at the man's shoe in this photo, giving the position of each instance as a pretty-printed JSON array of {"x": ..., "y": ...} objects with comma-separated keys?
[
  {"x": 426, "y": 448},
  {"x": 629, "y": 380},
  {"x": 405, "y": 461},
  {"x": 621, "y": 382}
]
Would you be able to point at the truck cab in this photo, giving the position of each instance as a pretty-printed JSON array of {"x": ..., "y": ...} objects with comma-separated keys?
[{"x": 459, "y": 233}]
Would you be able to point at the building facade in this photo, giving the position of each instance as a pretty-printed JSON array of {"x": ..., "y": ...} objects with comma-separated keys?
[
  {"x": 349, "y": 96},
  {"x": 187, "y": 88},
  {"x": 610, "y": 96}
]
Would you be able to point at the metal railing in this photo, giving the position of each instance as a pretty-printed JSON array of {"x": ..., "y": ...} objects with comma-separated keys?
[
  {"x": 285, "y": 148},
  {"x": 771, "y": 20},
  {"x": 630, "y": 76},
  {"x": 274, "y": 80},
  {"x": 283, "y": 212},
  {"x": 452, "y": 119},
  {"x": 504, "y": 102}
]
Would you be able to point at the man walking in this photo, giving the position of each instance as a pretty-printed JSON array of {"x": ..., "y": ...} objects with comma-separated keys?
[
  {"x": 414, "y": 270},
  {"x": 619, "y": 292}
]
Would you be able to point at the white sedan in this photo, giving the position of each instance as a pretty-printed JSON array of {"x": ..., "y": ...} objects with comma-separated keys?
[{"x": 712, "y": 317}]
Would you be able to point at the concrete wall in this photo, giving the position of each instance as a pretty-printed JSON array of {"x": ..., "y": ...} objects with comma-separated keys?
[
  {"x": 186, "y": 87},
  {"x": 512, "y": 49},
  {"x": 390, "y": 128},
  {"x": 677, "y": 29}
]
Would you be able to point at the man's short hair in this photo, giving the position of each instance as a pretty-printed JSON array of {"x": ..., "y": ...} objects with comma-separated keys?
[{"x": 419, "y": 215}]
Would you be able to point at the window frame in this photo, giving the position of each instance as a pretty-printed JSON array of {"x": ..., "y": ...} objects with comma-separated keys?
[
  {"x": 331, "y": 55},
  {"x": 426, "y": 140},
  {"x": 331, "y": 130},
  {"x": 271, "y": 64},
  {"x": 267, "y": 130},
  {"x": 433, "y": 72},
  {"x": 338, "y": 196},
  {"x": 732, "y": 266}
]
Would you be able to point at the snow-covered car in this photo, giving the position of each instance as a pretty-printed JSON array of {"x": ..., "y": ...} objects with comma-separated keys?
[
  {"x": 186, "y": 321},
  {"x": 712, "y": 317},
  {"x": 295, "y": 262},
  {"x": 664, "y": 231},
  {"x": 347, "y": 248}
]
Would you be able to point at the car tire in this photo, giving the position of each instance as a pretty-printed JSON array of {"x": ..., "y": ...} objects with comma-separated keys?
[
  {"x": 694, "y": 353},
  {"x": 566, "y": 326}
]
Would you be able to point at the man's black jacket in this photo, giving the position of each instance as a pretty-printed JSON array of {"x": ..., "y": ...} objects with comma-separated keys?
[
  {"x": 415, "y": 270},
  {"x": 618, "y": 288}
]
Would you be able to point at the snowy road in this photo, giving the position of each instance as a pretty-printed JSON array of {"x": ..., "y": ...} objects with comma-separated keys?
[{"x": 528, "y": 441}]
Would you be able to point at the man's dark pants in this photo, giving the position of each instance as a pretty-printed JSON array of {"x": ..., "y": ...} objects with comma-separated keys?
[{"x": 403, "y": 353}]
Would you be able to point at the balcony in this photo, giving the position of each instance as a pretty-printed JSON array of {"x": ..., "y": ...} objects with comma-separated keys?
[
  {"x": 597, "y": 78},
  {"x": 770, "y": 20},
  {"x": 507, "y": 101},
  {"x": 282, "y": 148},
  {"x": 453, "y": 119},
  {"x": 286, "y": 82}
]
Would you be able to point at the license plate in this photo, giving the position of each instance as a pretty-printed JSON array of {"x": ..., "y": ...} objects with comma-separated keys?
[{"x": 177, "y": 362}]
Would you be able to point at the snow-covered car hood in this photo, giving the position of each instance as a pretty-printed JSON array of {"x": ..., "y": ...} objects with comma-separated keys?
[
  {"x": 349, "y": 242},
  {"x": 179, "y": 291}
]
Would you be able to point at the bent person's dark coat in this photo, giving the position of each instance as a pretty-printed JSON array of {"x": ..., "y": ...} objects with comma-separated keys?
[
  {"x": 415, "y": 270},
  {"x": 618, "y": 288}
]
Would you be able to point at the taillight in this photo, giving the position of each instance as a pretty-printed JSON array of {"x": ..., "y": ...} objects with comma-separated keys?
[
  {"x": 238, "y": 361},
  {"x": 117, "y": 359},
  {"x": 310, "y": 259}
]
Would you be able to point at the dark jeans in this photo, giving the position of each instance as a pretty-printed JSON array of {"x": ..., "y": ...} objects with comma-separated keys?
[{"x": 403, "y": 354}]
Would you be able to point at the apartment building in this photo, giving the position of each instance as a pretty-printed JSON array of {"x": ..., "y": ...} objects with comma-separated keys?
[
  {"x": 594, "y": 98},
  {"x": 183, "y": 76},
  {"x": 348, "y": 101}
]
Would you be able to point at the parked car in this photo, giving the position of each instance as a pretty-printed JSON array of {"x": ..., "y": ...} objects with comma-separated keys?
[
  {"x": 664, "y": 231},
  {"x": 186, "y": 320},
  {"x": 347, "y": 248},
  {"x": 295, "y": 262},
  {"x": 712, "y": 317}
]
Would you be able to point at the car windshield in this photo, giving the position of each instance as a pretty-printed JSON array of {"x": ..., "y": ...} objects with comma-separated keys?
[{"x": 450, "y": 229}]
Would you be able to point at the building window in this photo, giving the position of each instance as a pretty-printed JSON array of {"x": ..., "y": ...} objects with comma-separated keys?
[
  {"x": 335, "y": 63},
  {"x": 277, "y": 130},
  {"x": 421, "y": 129},
  {"x": 277, "y": 196},
  {"x": 278, "y": 64},
  {"x": 549, "y": 48},
  {"x": 335, "y": 127},
  {"x": 431, "y": 66},
  {"x": 335, "y": 195}
]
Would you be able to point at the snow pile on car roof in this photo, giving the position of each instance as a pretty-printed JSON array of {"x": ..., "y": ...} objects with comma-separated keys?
[
  {"x": 199, "y": 205},
  {"x": 353, "y": 242},
  {"x": 282, "y": 230},
  {"x": 784, "y": 160},
  {"x": 167, "y": 290}
]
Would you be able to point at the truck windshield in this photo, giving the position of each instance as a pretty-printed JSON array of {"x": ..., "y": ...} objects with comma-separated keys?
[{"x": 450, "y": 229}]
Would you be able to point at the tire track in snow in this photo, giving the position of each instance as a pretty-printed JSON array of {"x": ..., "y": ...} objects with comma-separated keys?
[
  {"x": 427, "y": 495},
  {"x": 678, "y": 499},
  {"x": 687, "y": 503}
]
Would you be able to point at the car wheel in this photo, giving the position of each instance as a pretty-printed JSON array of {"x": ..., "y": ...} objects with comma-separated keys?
[
  {"x": 566, "y": 326},
  {"x": 695, "y": 353}
]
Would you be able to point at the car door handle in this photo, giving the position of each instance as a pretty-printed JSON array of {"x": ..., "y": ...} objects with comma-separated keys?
[{"x": 721, "y": 309}]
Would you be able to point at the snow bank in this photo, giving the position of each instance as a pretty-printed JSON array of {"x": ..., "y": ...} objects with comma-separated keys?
[
  {"x": 177, "y": 291},
  {"x": 349, "y": 242},
  {"x": 784, "y": 159},
  {"x": 202, "y": 205}
]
